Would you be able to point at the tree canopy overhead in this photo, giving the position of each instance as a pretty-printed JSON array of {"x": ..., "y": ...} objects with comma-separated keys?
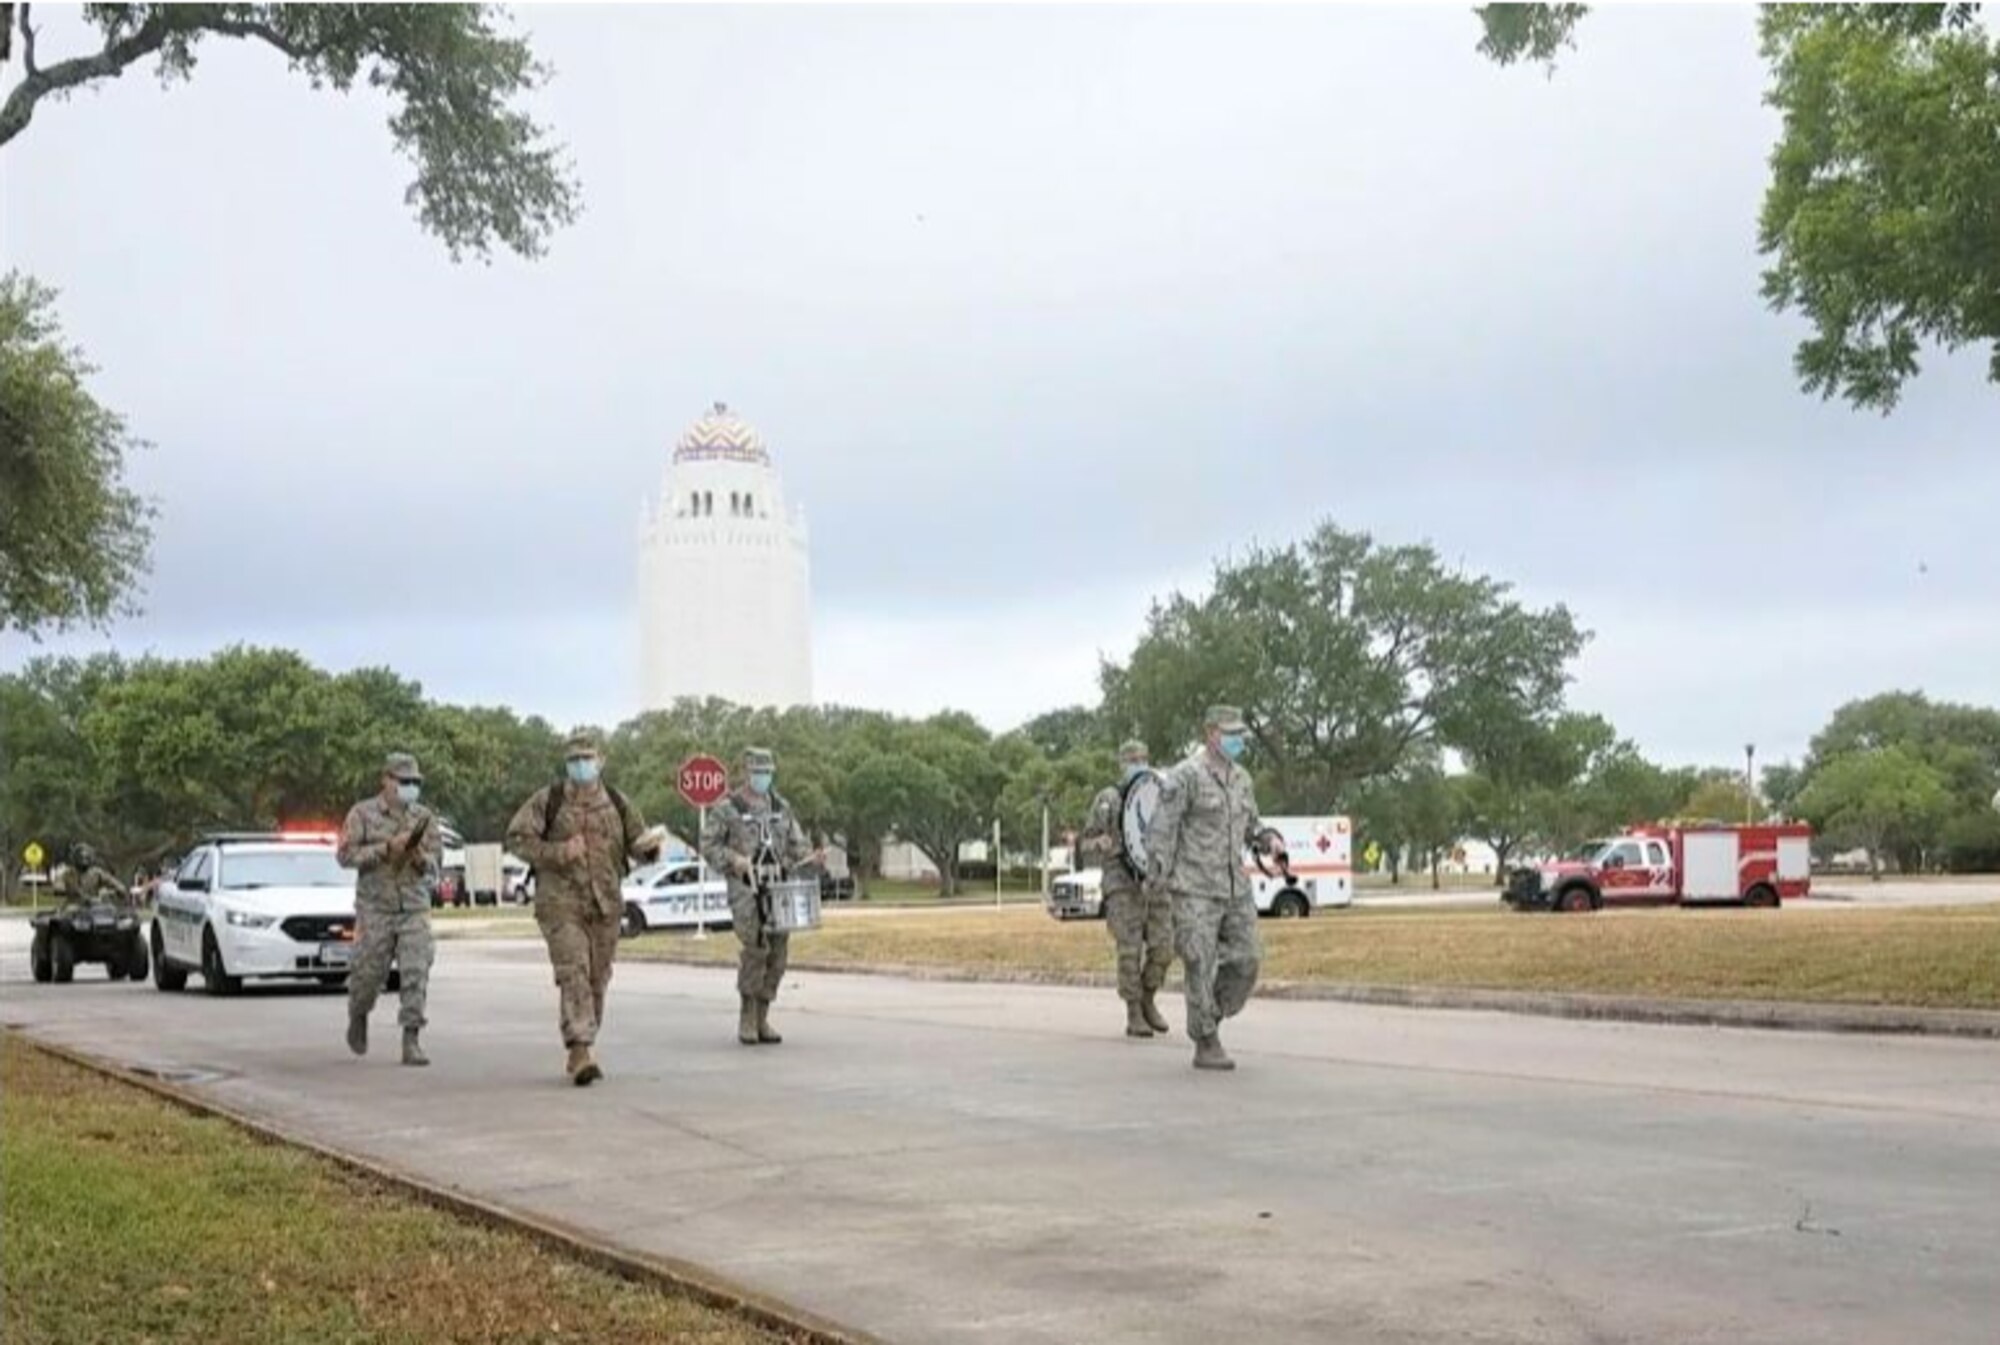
[
  {"x": 1879, "y": 221},
  {"x": 485, "y": 171},
  {"x": 73, "y": 536},
  {"x": 1344, "y": 656}
]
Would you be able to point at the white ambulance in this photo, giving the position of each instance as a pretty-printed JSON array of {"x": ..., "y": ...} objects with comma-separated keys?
[{"x": 1317, "y": 871}]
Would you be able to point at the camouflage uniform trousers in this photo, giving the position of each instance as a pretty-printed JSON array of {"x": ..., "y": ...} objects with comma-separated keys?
[
  {"x": 582, "y": 941},
  {"x": 380, "y": 936},
  {"x": 760, "y": 962},
  {"x": 1141, "y": 921},
  {"x": 1220, "y": 952}
]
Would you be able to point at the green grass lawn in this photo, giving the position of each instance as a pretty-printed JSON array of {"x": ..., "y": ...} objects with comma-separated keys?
[
  {"x": 1931, "y": 957},
  {"x": 128, "y": 1220}
]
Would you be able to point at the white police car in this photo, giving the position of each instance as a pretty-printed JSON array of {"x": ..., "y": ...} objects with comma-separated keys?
[
  {"x": 671, "y": 894},
  {"x": 255, "y": 905}
]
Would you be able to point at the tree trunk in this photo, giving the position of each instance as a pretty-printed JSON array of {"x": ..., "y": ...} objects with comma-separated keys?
[
  {"x": 1501, "y": 849},
  {"x": 1436, "y": 881}
]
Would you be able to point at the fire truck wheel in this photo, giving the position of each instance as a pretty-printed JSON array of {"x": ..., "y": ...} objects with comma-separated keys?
[
  {"x": 1761, "y": 895},
  {"x": 1576, "y": 899}
]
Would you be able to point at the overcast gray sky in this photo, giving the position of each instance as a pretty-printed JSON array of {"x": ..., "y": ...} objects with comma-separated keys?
[{"x": 1041, "y": 310}]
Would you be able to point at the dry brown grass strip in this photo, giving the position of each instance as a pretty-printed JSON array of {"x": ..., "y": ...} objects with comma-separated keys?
[{"x": 1939, "y": 958}]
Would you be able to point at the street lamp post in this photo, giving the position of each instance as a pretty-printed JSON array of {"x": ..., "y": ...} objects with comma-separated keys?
[{"x": 1749, "y": 783}]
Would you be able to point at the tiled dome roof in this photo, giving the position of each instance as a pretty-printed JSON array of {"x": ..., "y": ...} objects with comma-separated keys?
[{"x": 721, "y": 434}]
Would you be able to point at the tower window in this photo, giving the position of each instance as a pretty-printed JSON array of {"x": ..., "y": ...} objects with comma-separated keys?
[{"x": 747, "y": 510}]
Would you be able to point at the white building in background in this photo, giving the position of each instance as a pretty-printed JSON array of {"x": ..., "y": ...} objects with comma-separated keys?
[{"x": 724, "y": 598}]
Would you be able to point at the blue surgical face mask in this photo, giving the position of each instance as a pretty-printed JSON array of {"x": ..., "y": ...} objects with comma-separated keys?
[
  {"x": 408, "y": 790},
  {"x": 583, "y": 770},
  {"x": 1134, "y": 769},
  {"x": 761, "y": 781},
  {"x": 1231, "y": 745}
]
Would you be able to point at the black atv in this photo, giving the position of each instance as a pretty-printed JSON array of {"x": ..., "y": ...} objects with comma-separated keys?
[{"x": 88, "y": 931}]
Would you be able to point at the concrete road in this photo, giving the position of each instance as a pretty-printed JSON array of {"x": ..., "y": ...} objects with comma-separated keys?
[{"x": 967, "y": 1163}]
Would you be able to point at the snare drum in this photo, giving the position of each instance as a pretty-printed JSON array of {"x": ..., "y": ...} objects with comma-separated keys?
[{"x": 795, "y": 905}]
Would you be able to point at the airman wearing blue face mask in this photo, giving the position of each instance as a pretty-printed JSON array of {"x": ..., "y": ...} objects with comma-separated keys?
[
  {"x": 394, "y": 845},
  {"x": 753, "y": 837},
  {"x": 581, "y": 836},
  {"x": 1194, "y": 847}
]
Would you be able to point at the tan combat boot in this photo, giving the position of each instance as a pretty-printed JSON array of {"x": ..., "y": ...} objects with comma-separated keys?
[
  {"x": 1154, "y": 1018},
  {"x": 581, "y": 1067},
  {"x": 1135, "y": 1020},
  {"x": 765, "y": 1032},
  {"x": 746, "y": 1021},
  {"x": 413, "y": 1054},
  {"x": 1208, "y": 1054}
]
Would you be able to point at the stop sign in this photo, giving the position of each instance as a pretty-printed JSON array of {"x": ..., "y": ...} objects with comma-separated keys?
[{"x": 702, "y": 781}]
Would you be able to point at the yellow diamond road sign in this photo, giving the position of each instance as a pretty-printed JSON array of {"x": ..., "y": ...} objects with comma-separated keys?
[
  {"x": 33, "y": 854},
  {"x": 1372, "y": 854}
]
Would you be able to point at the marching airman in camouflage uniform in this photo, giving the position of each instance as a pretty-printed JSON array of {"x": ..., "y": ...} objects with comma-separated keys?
[
  {"x": 752, "y": 824},
  {"x": 581, "y": 836},
  {"x": 1194, "y": 849},
  {"x": 394, "y": 844},
  {"x": 1140, "y": 916}
]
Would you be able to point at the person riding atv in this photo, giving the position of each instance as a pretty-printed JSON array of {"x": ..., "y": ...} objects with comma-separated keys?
[{"x": 94, "y": 921}]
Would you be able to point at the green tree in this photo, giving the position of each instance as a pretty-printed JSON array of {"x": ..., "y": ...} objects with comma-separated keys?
[
  {"x": 1781, "y": 784},
  {"x": 489, "y": 761},
  {"x": 1553, "y": 783},
  {"x": 1066, "y": 785},
  {"x": 1878, "y": 220},
  {"x": 1960, "y": 743},
  {"x": 1073, "y": 728},
  {"x": 1721, "y": 795},
  {"x": 1346, "y": 658},
  {"x": 1434, "y": 815},
  {"x": 485, "y": 172},
  {"x": 1381, "y": 818},
  {"x": 1878, "y": 798},
  {"x": 948, "y": 784},
  {"x": 73, "y": 537}
]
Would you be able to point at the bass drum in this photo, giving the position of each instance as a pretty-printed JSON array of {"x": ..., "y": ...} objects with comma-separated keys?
[{"x": 1138, "y": 800}]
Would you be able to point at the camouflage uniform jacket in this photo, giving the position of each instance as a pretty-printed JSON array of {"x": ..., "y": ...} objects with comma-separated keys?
[
  {"x": 610, "y": 848},
  {"x": 364, "y": 847},
  {"x": 1101, "y": 843},
  {"x": 737, "y": 827},
  {"x": 1207, "y": 814}
]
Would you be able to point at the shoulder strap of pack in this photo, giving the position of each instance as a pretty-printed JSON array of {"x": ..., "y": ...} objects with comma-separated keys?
[
  {"x": 624, "y": 807},
  {"x": 550, "y": 807}
]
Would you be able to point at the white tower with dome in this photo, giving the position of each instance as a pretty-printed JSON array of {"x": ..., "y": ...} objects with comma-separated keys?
[{"x": 724, "y": 607}]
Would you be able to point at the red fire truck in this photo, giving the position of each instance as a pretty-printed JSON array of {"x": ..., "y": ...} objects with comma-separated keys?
[{"x": 1673, "y": 864}]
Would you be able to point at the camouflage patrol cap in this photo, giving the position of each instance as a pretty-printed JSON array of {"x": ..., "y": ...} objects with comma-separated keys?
[
  {"x": 401, "y": 765},
  {"x": 1132, "y": 749},
  {"x": 583, "y": 742},
  {"x": 1227, "y": 718},
  {"x": 759, "y": 759}
]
